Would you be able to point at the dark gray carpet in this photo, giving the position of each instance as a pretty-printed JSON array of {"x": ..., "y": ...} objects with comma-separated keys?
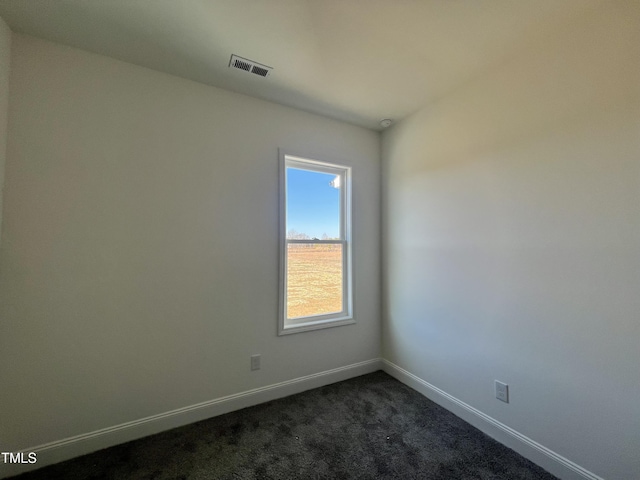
[{"x": 370, "y": 427}]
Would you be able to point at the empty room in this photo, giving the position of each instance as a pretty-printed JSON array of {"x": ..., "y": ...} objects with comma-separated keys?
[{"x": 373, "y": 239}]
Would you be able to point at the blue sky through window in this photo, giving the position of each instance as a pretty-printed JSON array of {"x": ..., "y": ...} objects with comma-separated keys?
[{"x": 313, "y": 205}]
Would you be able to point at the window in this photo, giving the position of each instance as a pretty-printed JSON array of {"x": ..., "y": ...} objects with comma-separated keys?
[{"x": 315, "y": 245}]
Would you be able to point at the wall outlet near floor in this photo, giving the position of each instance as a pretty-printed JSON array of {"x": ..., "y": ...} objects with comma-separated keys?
[
  {"x": 502, "y": 391},
  {"x": 255, "y": 362}
]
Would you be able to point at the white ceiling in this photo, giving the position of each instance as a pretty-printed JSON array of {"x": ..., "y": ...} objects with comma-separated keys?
[{"x": 354, "y": 60}]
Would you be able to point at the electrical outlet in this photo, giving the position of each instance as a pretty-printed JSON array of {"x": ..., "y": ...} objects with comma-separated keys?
[
  {"x": 502, "y": 391},
  {"x": 255, "y": 362}
]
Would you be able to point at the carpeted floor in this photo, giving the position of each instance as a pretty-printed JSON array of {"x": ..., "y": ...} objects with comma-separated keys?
[{"x": 370, "y": 427}]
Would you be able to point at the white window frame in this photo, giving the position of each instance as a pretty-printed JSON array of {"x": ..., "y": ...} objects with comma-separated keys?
[{"x": 315, "y": 322}]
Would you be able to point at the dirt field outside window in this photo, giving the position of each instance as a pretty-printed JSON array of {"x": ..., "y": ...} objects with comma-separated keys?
[{"x": 314, "y": 279}]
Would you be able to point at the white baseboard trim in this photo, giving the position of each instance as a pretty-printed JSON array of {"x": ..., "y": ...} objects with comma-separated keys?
[
  {"x": 551, "y": 461},
  {"x": 67, "y": 448}
]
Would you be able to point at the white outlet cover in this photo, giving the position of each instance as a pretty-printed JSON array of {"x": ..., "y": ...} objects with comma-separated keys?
[
  {"x": 502, "y": 391},
  {"x": 255, "y": 362}
]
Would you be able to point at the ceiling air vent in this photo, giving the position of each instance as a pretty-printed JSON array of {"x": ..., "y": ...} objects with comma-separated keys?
[{"x": 249, "y": 66}]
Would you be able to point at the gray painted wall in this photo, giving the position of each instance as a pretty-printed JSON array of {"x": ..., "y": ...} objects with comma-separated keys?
[
  {"x": 140, "y": 261},
  {"x": 5, "y": 60},
  {"x": 512, "y": 240}
]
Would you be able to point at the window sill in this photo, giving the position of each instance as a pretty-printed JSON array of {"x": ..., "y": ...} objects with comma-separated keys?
[{"x": 316, "y": 325}]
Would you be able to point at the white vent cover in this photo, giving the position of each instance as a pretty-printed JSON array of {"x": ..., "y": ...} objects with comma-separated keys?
[{"x": 249, "y": 66}]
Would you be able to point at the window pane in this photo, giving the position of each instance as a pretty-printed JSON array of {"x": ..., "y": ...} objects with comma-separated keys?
[
  {"x": 313, "y": 205},
  {"x": 314, "y": 279}
]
